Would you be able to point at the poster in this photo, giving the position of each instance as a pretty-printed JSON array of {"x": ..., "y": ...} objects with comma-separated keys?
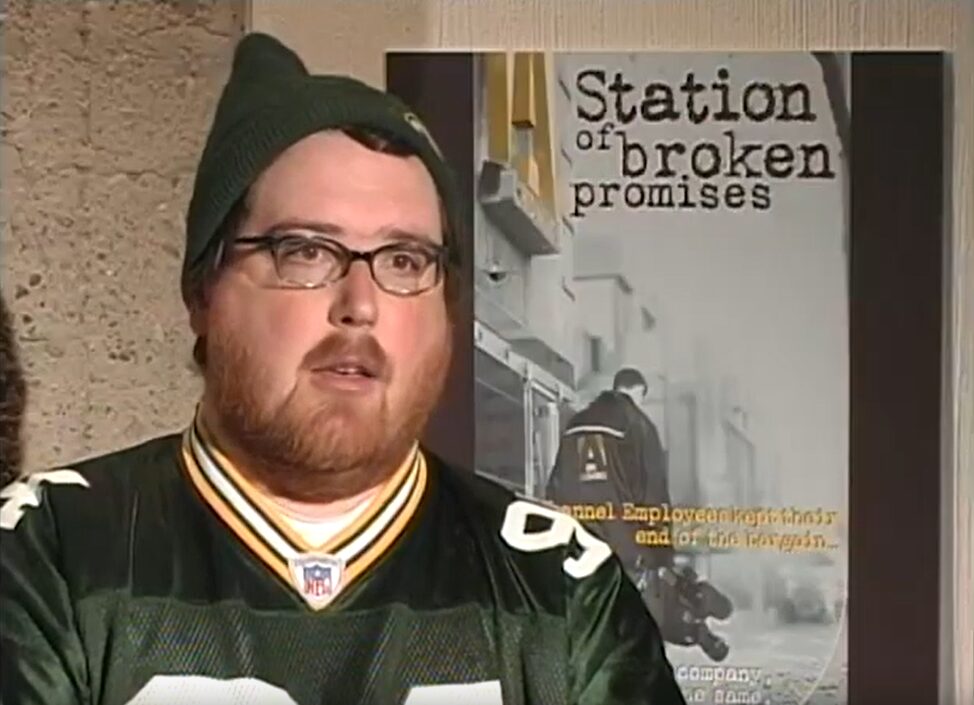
[{"x": 678, "y": 224}]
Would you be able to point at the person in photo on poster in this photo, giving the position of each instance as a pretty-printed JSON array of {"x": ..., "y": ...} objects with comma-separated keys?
[
  {"x": 611, "y": 456},
  {"x": 610, "y": 453},
  {"x": 295, "y": 543}
]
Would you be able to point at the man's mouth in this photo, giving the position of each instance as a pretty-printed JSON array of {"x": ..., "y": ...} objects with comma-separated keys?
[
  {"x": 350, "y": 369},
  {"x": 350, "y": 374}
]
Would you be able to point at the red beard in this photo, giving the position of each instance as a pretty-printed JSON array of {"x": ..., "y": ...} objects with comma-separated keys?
[{"x": 319, "y": 445}]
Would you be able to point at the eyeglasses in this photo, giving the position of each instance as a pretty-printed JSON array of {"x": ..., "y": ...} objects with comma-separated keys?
[{"x": 309, "y": 262}]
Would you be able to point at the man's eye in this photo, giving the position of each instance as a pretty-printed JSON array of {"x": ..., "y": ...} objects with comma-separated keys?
[
  {"x": 310, "y": 252},
  {"x": 408, "y": 261},
  {"x": 305, "y": 252}
]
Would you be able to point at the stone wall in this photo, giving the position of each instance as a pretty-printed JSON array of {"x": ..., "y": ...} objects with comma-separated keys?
[{"x": 105, "y": 106}]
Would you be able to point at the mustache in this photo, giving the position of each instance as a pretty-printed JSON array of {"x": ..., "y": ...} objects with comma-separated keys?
[{"x": 361, "y": 350}]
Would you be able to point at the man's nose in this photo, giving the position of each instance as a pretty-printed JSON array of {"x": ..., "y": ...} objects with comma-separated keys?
[{"x": 356, "y": 298}]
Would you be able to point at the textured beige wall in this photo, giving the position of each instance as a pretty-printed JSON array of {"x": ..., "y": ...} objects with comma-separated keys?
[
  {"x": 105, "y": 106},
  {"x": 358, "y": 33}
]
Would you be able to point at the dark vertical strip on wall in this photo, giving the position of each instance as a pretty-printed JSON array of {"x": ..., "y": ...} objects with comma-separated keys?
[{"x": 896, "y": 345}]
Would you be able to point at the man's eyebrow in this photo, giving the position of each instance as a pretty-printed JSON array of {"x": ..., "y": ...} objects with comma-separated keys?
[
  {"x": 318, "y": 226},
  {"x": 325, "y": 228},
  {"x": 400, "y": 235}
]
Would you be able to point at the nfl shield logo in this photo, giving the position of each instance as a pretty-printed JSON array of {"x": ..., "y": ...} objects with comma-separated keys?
[{"x": 317, "y": 578}]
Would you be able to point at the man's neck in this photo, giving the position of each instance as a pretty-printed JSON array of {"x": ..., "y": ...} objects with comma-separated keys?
[
  {"x": 297, "y": 509},
  {"x": 312, "y": 512}
]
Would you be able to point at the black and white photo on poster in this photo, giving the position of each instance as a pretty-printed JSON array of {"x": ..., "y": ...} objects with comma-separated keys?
[{"x": 661, "y": 339}]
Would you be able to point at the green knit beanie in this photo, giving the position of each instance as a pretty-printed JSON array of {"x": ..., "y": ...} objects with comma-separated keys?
[{"x": 271, "y": 102}]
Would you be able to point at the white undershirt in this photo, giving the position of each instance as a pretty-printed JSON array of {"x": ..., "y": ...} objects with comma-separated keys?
[{"x": 319, "y": 531}]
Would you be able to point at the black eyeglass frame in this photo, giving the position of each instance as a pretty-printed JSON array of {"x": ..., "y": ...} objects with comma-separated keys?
[{"x": 272, "y": 241}]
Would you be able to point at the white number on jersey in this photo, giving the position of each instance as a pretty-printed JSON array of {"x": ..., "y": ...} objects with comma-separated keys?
[
  {"x": 25, "y": 493},
  {"x": 563, "y": 527},
  {"x": 486, "y": 693},
  {"x": 203, "y": 690}
]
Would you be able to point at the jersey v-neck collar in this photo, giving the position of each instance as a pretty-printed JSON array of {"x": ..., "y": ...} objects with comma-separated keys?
[{"x": 316, "y": 573}]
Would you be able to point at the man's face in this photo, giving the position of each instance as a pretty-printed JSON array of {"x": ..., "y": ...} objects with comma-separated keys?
[{"x": 323, "y": 391}]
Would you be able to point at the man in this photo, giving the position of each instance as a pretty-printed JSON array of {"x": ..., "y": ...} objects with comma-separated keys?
[
  {"x": 296, "y": 544},
  {"x": 611, "y": 452},
  {"x": 13, "y": 399}
]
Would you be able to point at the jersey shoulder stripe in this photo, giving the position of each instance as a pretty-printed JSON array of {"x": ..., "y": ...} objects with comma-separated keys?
[{"x": 96, "y": 489}]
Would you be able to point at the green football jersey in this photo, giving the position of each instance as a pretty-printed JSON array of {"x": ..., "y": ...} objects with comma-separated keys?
[{"x": 157, "y": 574}]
